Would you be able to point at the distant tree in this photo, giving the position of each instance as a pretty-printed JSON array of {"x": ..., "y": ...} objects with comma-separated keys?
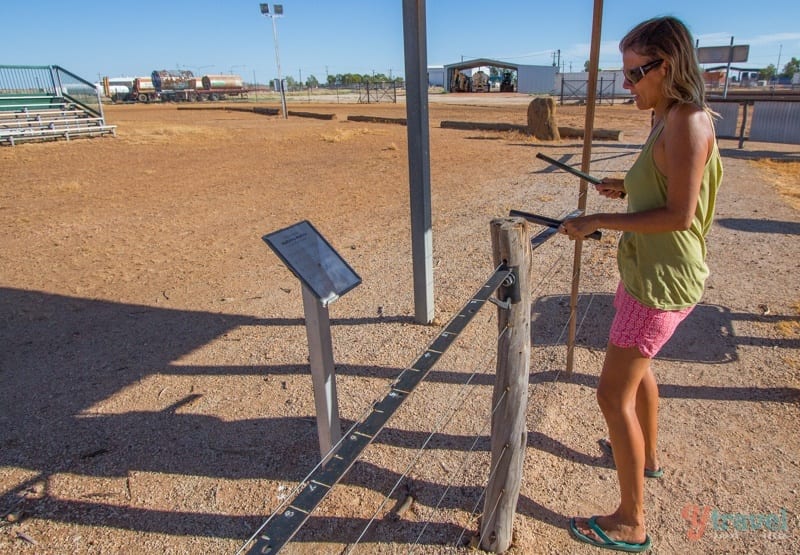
[
  {"x": 349, "y": 79},
  {"x": 290, "y": 82},
  {"x": 767, "y": 73},
  {"x": 792, "y": 67},
  {"x": 586, "y": 65},
  {"x": 312, "y": 82}
]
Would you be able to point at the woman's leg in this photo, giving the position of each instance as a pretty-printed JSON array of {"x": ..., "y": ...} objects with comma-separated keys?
[
  {"x": 624, "y": 370},
  {"x": 647, "y": 413}
]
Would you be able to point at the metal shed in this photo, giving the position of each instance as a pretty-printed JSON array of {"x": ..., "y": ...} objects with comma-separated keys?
[
  {"x": 435, "y": 76},
  {"x": 529, "y": 79}
]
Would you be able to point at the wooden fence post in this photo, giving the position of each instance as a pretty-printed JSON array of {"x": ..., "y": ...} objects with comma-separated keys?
[{"x": 510, "y": 245}]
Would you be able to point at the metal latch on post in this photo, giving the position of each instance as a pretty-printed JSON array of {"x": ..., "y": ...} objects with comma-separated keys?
[{"x": 510, "y": 288}]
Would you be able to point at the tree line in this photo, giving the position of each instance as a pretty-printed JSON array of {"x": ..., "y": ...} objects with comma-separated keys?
[
  {"x": 340, "y": 80},
  {"x": 770, "y": 72}
]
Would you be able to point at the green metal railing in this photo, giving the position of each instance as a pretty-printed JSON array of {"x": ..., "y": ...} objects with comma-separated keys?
[{"x": 46, "y": 85}]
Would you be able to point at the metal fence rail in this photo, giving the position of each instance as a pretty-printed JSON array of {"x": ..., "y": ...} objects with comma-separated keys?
[
  {"x": 78, "y": 90},
  {"x": 27, "y": 80},
  {"x": 30, "y": 82}
]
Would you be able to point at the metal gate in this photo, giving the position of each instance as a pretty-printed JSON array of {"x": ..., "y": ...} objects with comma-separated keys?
[
  {"x": 369, "y": 93},
  {"x": 576, "y": 89}
]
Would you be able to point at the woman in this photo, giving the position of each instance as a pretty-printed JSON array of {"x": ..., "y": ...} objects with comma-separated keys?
[{"x": 671, "y": 190}]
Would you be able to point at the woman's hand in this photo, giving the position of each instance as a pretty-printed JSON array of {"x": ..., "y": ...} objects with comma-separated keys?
[
  {"x": 580, "y": 227},
  {"x": 611, "y": 187}
]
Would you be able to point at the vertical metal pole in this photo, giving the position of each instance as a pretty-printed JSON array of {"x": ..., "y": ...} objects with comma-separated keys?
[
  {"x": 55, "y": 78},
  {"x": 320, "y": 351},
  {"x": 255, "y": 85},
  {"x": 586, "y": 162},
  {"x": 416, "y": 60},
  {"x": 728, "y": 71},
  {"x": 278, "y": 63},
  {"x": 600, "y": 91},
  {"x": 744, "y": 123}
]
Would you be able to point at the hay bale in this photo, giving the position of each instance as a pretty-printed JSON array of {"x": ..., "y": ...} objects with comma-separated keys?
[{"x": 542, "y": 119}]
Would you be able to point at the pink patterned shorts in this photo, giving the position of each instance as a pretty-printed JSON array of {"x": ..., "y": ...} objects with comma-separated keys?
[{"x": 637, "y": 325}]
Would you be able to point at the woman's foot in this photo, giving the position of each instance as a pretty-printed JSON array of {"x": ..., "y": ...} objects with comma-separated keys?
[
  {"x": 610, "y": 532},
  {"x": 651, "y": 467}
]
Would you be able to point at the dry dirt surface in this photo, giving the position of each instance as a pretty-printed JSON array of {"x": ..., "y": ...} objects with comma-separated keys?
[{"x": 155, "y": 395}]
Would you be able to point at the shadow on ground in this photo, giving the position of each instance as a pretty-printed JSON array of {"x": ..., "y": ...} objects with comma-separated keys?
[
  {"x": 751, "y": 225},
  {"x": 63, "y": 355}
]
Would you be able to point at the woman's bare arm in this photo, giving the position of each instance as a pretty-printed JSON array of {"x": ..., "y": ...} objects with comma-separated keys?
[{"x": 680, "y": 154}]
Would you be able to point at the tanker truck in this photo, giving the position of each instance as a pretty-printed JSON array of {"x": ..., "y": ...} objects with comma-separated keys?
[
  {"x": 140, "y": 90},
  {"x": 183, "y": 86},
  {"x": 218, "y": 87}
]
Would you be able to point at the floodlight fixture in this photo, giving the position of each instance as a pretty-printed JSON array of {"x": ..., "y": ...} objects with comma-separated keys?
[{"x": 264, "y": 9}]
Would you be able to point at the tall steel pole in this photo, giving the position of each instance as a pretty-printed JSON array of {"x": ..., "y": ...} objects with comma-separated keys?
[
  {"x": 278, "y": 11},
  {"x": 278, "y": 63},
  {"x": 419, "y": 164}
]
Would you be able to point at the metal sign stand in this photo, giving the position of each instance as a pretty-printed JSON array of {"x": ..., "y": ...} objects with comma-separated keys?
[
  {"x": 320, "y": 350},
  {"x": 325, "y": 277}
]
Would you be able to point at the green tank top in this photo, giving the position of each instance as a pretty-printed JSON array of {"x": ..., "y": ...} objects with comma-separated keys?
[{"x": 666, "y": 270}]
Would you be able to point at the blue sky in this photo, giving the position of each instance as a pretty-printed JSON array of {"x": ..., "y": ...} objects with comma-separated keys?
[{"x": 316, "y": 37}]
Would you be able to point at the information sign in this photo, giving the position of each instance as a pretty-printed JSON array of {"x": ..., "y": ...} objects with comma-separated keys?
[
  {"x": 723, "y": 54},
  {"x": 313, "y": 260}
]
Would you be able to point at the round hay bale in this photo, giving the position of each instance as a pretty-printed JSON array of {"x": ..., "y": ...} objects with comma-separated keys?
[{"x": 542, "y": 119}]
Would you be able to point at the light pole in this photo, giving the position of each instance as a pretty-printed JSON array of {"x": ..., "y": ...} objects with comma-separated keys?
[{"x": 277, "y": 11}]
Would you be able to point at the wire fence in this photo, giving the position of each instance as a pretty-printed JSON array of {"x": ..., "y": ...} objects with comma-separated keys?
[{"x": 435, "y": 482}]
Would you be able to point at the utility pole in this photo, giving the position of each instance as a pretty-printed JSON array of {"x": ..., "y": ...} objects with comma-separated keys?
[{"x": 557, "y": 58}]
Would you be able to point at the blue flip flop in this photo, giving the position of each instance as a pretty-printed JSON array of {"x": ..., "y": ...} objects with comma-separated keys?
[
  {"x": 605, "y": 542},
  {"x": 605, "y": 445}
]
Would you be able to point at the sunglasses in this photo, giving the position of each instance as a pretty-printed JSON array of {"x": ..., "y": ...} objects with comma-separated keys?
[{"x": 636, "y": 74}]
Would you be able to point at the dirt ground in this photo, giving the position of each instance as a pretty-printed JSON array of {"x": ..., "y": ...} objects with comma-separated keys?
[{"x": 154, "y": 386}]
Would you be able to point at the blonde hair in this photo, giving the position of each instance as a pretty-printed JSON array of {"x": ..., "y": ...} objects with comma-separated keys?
[{"x": 667, "y": 38}]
